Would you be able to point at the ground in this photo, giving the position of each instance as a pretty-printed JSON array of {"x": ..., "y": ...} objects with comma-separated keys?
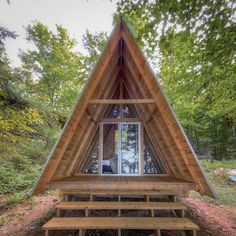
[
  {"x": 214, "y": 217},
  {"x": 217, "y": 220},
  {"x": 26, "y": 219}
]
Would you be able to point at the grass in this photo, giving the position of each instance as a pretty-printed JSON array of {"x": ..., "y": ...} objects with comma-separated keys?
[
  {"x": 18, "y": 197},
  {"x": 217, "y": 171},
  {"x": 20, "y": 166}
]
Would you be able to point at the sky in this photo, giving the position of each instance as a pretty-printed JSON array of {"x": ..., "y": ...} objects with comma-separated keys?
[{"x": 75, "y": 15}]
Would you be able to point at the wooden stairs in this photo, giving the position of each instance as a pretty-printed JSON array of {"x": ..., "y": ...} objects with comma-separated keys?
[{"x": 149, "y": 202}]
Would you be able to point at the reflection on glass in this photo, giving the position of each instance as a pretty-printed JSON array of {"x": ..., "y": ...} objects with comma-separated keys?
[
  {"x": 113, "y": 111},
  {"x": 149, "y": 166},
  {"x": 129, "y": 111},
  {"x": 91, "y": 165},
  {"x": 110, "y": 149},
  {"x": 129, "y": 149},
  {"x": 152, "y": 162}
]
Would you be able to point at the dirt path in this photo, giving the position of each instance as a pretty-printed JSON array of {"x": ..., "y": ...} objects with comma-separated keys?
[
  {"x": 216, "y": 220},
  {"x": 26, "y": 219}
]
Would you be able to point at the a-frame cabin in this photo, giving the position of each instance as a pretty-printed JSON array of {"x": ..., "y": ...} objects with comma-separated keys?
[{"x": 123, "y": 138}]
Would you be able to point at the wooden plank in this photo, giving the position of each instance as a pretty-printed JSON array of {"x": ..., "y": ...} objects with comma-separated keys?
[
  {"x": 167, "y": 223},
  {"x": 168, "y": 114},
  {"x": 100, "y": 149},
  {"x": 119, "y": 211},
  {"x": 107, "y": 192},
  {"x": 158, "y": 232},
  {"x": 76, "y": 162},
  {"x": 77, "y": 113},
  {"x": 120, "y": 205},
  {"x": 156, "y": 146},
  {"x": 73, "y": 163},
  {"x": 121, "y": 101},
  {"x": 180, "y": 168},
  {"x": 152, "y": 209},
  {"x": 58, "y": 213},
  {"x": 120, "y": 183},
  {"x": 158, "y": 129},
  {"x": 87, "y": 145},
  {"x": 85, "y": 142},
  {"x": 163, "y": 154},
  {"x": 142, "y": 148},
  {"x": 159, "y": 179},
  {"x": 78, "y": 137},
  {"x": 94, "y": 140},
  {"x": 117, "y": 120}
]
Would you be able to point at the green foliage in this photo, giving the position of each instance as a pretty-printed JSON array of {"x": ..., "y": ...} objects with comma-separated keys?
[
  {"x": 218, "y": 173},
  {"x": 4, "y": 34},
  {"x": 9, "y": 79},
  {"x": 13, "y": 173},
  {"x": 192, "y": 43},
  {"x": 26, "y": 136},
  {"x": 13, "y": 121},
  {"x": 17, "y": 197},
  {"x": 55, "y": 64},
  {"x": 60, "y": 71},
  {"x": 213, "y": 165},
  {"x": 139, "y": 17},
  {"x": 22, "y": 160},
  {"x": 35, "y": 101},
  {"x": 93, "y": 44}
]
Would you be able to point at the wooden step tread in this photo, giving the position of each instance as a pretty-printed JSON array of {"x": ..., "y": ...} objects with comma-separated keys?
[
  {"x": 120, "y": 205},
  {"x": 168, "y": 223},
  {"x": 117, "y": 192}
]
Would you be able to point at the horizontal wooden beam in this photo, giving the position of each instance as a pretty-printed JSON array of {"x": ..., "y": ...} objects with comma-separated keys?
[
  {"x": 121, "y": 101},
  {"x": 120, "y": 205},
  {"x": 117, "y": 120},
  {"x": 151, "y": 223}
]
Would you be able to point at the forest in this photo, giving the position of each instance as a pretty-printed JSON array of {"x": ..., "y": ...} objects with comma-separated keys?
[{"x": 189, "y": 44}]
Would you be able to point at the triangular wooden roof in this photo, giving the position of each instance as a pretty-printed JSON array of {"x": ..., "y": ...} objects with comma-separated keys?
[{"x": 123, "y": 58}]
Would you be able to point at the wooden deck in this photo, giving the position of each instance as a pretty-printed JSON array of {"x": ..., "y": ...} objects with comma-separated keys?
[
  {"x": 131, "y": 183},
  {"x": 149, "y": 204}
]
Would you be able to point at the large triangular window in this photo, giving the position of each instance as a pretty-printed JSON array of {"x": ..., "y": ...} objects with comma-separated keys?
[
  {"x": 90, "y": 161},
  {"x": 152, "y": 162}
]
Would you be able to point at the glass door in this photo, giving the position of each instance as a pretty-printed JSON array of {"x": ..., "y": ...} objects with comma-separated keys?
[
  {"x": 121, "y": 149},
  {"x": 129, "y": 154},
  {"x": 110, "y": 148}
]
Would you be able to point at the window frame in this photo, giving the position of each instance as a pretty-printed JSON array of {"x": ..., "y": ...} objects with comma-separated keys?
[{"x": 119, "y": 152}]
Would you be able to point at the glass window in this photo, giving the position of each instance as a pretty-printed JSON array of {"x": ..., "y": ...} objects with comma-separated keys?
[
  {"x": 129, "y": 149},
  {"x": 110, "y": 149},
  {"x": 120, "y": 149},
  {"x": 114, "y": 111},
  {"x": 152, "y": 162},
  {"x": 90, "y": 166}
]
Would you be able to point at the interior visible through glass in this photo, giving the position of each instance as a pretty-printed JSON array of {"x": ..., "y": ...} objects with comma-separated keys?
[
  {"x": 110, "y": 149},
  {"x": 120, "y": 149},
  {"x": 129, "y": 149}
]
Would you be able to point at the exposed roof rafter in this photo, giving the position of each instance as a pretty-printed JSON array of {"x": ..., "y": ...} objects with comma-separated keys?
[{"x": 122, "y": 76}]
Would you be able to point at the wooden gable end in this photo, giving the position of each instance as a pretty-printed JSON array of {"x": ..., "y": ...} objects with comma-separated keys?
[{"x": 122, "y": 69}]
